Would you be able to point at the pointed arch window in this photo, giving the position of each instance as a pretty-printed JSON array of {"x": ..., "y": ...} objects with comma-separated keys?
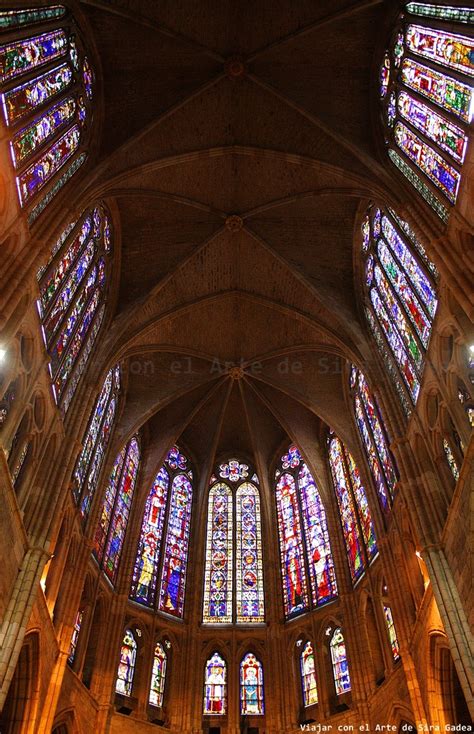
[
  {"x": 95, "y": 442},
  {"x": 162, "y": 552},
  {"x": 158, "y": 676},
  {"x": 233, "y": 548},
  {"x": 401, "y": 298},
  {"x": 126, "y": 667},
  {"x": 354, "y": 511},
  {"x": 251, "y": 686},
  {"x": 71, "y": 305},
  {"x": 118, "y": 498},
  {"x": 46, "y": 83},
  {"x": 215, "y": 686},
  {"x": 392, "y": 635},
  {"x": 307, "y": 566},
  {"x": 308, "y": 676},
  {"x": 374, "y": 439},
  {"x": 340, "y": 668},
  {"x": 427, "y": 99},
  {"x": 76, "y": 630}
]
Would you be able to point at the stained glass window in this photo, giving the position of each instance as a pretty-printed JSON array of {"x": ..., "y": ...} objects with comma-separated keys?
[
  {"x": 251, "y": 686},
  {"x": 71, "y": 294},
  {"x": 126, "y": 668},
  {"x": 308, "y": 676},
  {"x": 215, "y": 686},
  {"x": 430, "y": 138},
  {"x": 233, "y": 548},
  {"x": 75, "y": 636},
  {"x": 374, "y": 438},
  {"x": 158, "y": 676},
  {"x": 452, "y": 463},
  {"x": 118, "y": 498},
  {"x": 402, "y": 296},
  {"x": 307, "y": 566},
  {"x": 357, "y": 526},
  {"x": 340, "y": 668},
  {"x": 46, "y": 102},
  {"x": 163, "y": 546},
  {"x": 95, "y": 442},
  {"x": 392, "y": 635}
]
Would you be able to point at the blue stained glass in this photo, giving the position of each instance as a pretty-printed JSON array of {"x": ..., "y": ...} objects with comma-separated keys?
[{"x": 249, "y": 564}]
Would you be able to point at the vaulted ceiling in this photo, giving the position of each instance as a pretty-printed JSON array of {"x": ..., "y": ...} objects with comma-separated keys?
[{"x": 239, "y": 146}]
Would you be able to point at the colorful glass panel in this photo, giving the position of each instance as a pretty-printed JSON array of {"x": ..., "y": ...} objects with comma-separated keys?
[
  {"x": 398, "y": 318},
  {"x": 145, "y": 571},
  {"x": 444, "y": 176},
  {"x": 347, "y": 511},
  {"x": 442, "y": 12},
  {"x": 158, "y": 677},
  {"x": 71, "y": 169},
  {"x": 173, "y": 578},
  {"x": 22, "y": 100},
  {"x": 415, "y": 273},
  {"x": 126, "y": 668},
  {"x": 447, "y": 136},
  {"x": 251, "y": 686},
  {"x": 295, "y": 587},
  {"x": 249, "y": 563},
  {"x": 318, "y": 549},
  {"x": 28, "y": 140},
  {"x": 219, "y": 561},
  {"x": 39, "y": 173},
  {"x": 340, "y": 668},
  {"x": 75, "y": 637},
  {"x": 447, "y": 49},
  {"x": 392, "y": 635},
  {"x": 94, "y": 443},
  {"x": 121, "y": 511},
  {"x": 81, "y": 363},
  {"x": 215, "y": 686},
  {"x": 404, "y": 362},
  {"x": 384, "y": 76},
  {"x": 452, "y": 463},
  {"x": 449, "y": 93},
  {"x": 419, "y": 185},
  {"x": 363, "y": 509},
  {"x": 233, "y": 471},
  {"x": 405, "y": 293},
  {"x": 308, "y": 676},
  {"x": 20, "y": 57},
  {"x": 30, "y": 16}
]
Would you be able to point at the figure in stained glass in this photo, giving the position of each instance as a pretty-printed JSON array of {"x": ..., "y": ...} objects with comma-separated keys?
[
  {"x": 340, "y": 668},
  {"x": 251, "y": 686},
  {"x": 126, "y": 667},
  {"x": 308, "y": 676},
  {"x": 215, "y": 686}
]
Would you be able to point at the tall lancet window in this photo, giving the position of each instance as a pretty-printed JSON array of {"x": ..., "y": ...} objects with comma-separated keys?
[
  {"x": 95, "y": 442},
  {"x": 46, "y": 85},
  {"x": 159, "y": 573},
  {"x": 427, "y": 99},
  {"x": 354, "y": 511},
  {"x": 126, "y": 667},
  {"x": 374, "y": 438},
  {"x": 251, "y": 686},
  {"x": 158, "y": 676},
  {"x": 215, "y": 686},
  {"x": 308, "y": 676},
  {"x": 118, "y": 498},
  {"x": 233, "y": 583},
  {"x": 71, "y": 303},
  {"x": 401, "y": 298},
  {"x": 307, "y": 566},
  {"x": 340, "y": 668}
]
